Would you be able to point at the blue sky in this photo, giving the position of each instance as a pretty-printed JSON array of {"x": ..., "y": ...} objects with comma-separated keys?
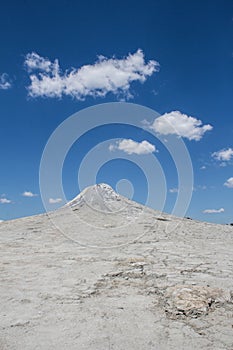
[{"x": 183, "y": 54}]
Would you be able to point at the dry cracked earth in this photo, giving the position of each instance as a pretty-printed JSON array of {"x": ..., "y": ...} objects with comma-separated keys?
[{"x": 161, "y": 289}]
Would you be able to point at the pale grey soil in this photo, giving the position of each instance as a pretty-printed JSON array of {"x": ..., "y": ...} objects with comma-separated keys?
[{"x": 165, "y": 290}]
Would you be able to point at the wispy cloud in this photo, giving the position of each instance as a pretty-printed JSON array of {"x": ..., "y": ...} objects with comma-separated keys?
[
  {"x": 5, "y": 82},
  {"x": 224, "y": 155},
  {"x": 29, "y": 194},
  {"x": 96, "y": 80},
  {"x": 55, "y": 200},
  {"x": 213, "y": 211},
  {"x": 5, "y": 201},
  {"x": 132, "y": 147},
  {"x": 201, "y": 187},
  {"x": 177, "y": 123},
  {"x": 34, "y": 61},
  {"x": 173, "y": 190},
  {"x": 229, "y": 183}
]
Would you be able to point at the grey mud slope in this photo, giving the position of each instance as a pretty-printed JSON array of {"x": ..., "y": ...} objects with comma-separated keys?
[{"x": 163, "y": 291}]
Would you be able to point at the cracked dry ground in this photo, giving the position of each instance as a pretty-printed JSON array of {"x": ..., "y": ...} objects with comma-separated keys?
[{"x": 164, "y": 291}]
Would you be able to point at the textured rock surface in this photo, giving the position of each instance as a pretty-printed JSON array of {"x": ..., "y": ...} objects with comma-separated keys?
[
  {"x": 165, "y": 290},
  {"x": 194, "y": 301}
]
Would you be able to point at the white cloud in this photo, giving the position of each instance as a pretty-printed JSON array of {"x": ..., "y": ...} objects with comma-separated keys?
[
  {"x": 55, "y": 200},
  {"x": 202, "y": 187},
  {"x": 154, "y": 92},
  {"x": 104, "y": 76},
  {"x": 29, "y": 194},
  {"x": 173, "y": 190},
  {"x": 223, "y": 154},
  {"x": 229, "y": 183},
  {"x": 35, "y": 62},
  {"x": 5, "y": 201},
  {"x": 132, "y": 147},
  {"x": 203, "y": 167},
  {"x": 213, "y": 211},
  {"x": 5, "y": 83},
  {"x": 176, "y": 123}
]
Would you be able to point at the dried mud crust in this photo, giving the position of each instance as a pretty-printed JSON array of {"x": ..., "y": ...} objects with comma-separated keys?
[
  {"x": 193, "y": 301},
  {"x": 164, "y": 291},
  {"x": 178, "y": 301}
]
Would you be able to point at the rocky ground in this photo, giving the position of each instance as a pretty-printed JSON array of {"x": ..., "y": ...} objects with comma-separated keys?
[{"x": 158, "y": 289}]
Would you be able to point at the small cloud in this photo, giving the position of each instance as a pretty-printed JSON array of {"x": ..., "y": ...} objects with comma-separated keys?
[
  {"x": 29, "y": 194},
  {"x": 173, "y": 190},
  {"x": 5, "y": 201},
  {"x": 213, "y": 211},
  {"x": 177, "y": 123},
  {"x": 106, "y": 75},
  {"x": 229, "y": 183},
  {"x": 132, "y": 147},
  {"x": 200, "y": 187},
  {"x": 112, "y": 147},
  {"x": 203, "y": 167},
  {"x": 55, "y": 200},
  {"x": 223, "y": 155},
  {"x": 33, "y": 61},
  {"x": 5, "y": 82},
  {"x": 154, "y": 92}
]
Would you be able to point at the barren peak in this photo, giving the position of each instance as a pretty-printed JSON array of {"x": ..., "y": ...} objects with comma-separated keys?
[
  {"x": 102, "y": 186},
  {"x": 99, "y": 189},
  {"x": 100, "y": 196}
]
